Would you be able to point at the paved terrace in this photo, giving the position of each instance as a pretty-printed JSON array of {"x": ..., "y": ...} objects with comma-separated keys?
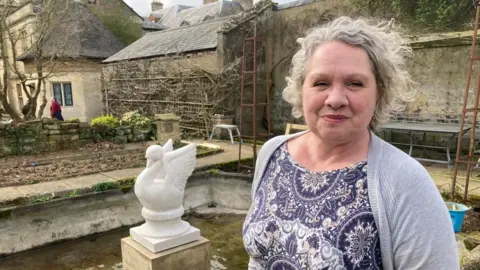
[{"x": 441, "y": 176}]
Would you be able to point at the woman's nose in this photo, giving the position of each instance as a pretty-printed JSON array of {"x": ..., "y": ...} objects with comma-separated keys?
[{"x": 337, "y": 97}]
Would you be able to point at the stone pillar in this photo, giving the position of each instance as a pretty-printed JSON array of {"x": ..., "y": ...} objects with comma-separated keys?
[
  {"x": 168, "y": 127},
  {"x": 219, "y": 119},
  {"x": 195, "y": 255}
]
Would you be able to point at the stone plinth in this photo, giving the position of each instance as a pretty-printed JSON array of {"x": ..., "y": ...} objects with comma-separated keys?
[
  {"x": 195, "y": 255},
  {"x": 157, "y": 245},
  {"x": 168, "y": 127}
]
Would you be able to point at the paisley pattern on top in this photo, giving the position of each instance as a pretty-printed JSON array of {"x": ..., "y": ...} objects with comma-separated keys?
[{"x": 311, "y": 220}]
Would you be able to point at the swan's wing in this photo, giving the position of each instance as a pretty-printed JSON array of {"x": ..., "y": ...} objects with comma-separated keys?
[
  {"x": 179, "y": 165},
  {"x": 168, "y": 146}
]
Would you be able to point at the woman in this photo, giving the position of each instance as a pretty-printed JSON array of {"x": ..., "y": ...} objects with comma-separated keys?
[
  {"x": 56, "y": 110},
  {"x": 337, "y": 196}
]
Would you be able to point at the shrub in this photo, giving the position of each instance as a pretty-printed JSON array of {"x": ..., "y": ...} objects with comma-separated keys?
[
  {"x": 109, "y": 121},
  {"x": 73, "y": 120},
  {"x": 136, "y": 120}
]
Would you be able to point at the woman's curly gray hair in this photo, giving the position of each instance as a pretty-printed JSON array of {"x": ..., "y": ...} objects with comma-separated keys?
[{"x": 386, "y": 49}]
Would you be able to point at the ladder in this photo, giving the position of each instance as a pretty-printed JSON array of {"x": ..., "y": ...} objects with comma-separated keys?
[
  {"x": 468, "y": 159},
  {"x": 252, "y": 104}
]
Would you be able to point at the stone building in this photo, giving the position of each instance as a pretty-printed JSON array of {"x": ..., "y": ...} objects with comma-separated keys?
[
  {"x": 77, "y": 47},
  {"x": 211, "y": 38},
  {"x": 438, "y": 65},
  {"x": 174, "y": 16}
]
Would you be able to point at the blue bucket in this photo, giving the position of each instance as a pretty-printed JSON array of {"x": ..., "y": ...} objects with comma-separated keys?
[{"x": 457, "y": 215}]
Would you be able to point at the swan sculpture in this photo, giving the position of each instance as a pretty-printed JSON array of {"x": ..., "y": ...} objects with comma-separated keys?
[{"x": 160, "y": 189}]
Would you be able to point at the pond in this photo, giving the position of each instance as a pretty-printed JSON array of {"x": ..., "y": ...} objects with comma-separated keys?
[{"x": 103, "y": 251}]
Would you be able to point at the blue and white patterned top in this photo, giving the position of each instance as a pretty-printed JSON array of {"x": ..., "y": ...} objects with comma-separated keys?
[{"x": 311, "y": 220}]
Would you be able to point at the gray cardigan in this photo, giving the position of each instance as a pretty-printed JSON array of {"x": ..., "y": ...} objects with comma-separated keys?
[{"x": 413, "y": 222}]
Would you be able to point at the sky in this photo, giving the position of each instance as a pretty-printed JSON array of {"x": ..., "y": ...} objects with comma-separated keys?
[{"x": 143, "y": 8}]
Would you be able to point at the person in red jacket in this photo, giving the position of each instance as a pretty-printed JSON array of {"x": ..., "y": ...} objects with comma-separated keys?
[{"x": 56, "y": 110}]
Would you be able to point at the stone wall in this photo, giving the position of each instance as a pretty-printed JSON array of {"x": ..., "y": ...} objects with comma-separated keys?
[
  {"x": 439, "y": 68},
  {"x": 50, "y": 135},
  {"x": 440, "y": 75},
  {"x": 63, "y": 218}
]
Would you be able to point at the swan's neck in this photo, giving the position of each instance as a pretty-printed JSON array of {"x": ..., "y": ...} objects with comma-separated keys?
[{"x": 151, "y": 172}]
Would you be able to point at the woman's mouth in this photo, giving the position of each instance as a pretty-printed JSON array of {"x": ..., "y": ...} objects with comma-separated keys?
[{"x": 334, "y": 118}]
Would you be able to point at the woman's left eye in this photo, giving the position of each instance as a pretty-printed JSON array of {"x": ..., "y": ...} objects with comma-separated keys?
[
  {"x": 320, "y": 83},
  {"x": 355, "y": 84}
]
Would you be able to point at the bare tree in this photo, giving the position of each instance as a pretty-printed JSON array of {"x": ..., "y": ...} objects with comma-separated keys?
[
  {"x": 6, "y": 8},
  {"x": 39, "y": 41}
]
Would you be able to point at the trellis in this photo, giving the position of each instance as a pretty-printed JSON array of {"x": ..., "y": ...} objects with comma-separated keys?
[
  {"x": 163, "y": 86},
  {"x": 175, "y": 85}
]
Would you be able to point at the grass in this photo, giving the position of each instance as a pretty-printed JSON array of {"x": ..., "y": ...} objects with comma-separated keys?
[
  {"x": 73, "y": 193},
  {"x": 103, "y": 186},
  {"x": 40, "y": 199},
  {"x": 213, "y": 171}
]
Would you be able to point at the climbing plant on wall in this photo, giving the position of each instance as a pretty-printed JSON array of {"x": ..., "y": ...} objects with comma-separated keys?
[{"x": 421, "y": 14}]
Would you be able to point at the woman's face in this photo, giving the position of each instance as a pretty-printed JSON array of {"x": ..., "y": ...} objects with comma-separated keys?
[{"x": 339, "y": 92}]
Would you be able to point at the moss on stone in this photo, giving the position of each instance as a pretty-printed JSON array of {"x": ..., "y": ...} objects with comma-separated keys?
[
  {"x": 213, "y": 171},
  {"x": 472, "y": 240}
]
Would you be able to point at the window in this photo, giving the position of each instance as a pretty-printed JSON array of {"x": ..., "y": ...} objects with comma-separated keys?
[
  {"x": 20, "y": 96},
  {"x": 63, "y": 93},
  {"x": 92, "y": 1}
]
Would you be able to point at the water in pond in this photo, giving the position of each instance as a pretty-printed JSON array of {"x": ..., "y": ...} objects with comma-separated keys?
[{"x": 103, "y": 251}]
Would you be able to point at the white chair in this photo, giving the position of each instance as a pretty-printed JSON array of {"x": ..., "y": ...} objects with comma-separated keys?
[{"x": 229, "y": 128}]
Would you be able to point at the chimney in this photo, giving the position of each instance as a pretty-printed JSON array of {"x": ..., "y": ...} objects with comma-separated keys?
[{"x": 156, "y": 5}]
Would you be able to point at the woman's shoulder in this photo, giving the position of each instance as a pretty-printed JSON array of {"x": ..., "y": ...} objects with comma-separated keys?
[{"x": 396, "y": 168}]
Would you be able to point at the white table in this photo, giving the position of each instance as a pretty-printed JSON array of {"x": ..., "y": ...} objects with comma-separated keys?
[{"x": 229, "y": 128}]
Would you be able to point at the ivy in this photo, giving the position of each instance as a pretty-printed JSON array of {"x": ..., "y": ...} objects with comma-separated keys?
[
  {"x": 422, "y": 14},
  {"x": 118, "y": 20},
  {"x": 122, "y": 27}
]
